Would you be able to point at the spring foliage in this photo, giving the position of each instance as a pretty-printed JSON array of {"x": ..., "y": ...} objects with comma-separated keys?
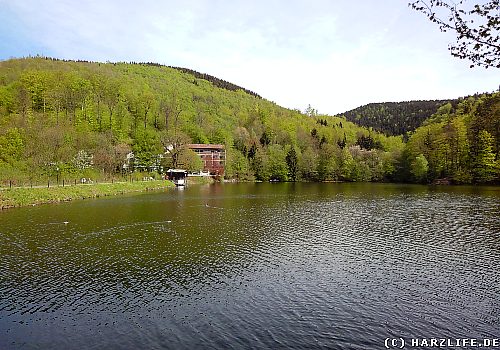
[
  {"x": 85, "y": 119},
  {"x": 462, "y": 145}
]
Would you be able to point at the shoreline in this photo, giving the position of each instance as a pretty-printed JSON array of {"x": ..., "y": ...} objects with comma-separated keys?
[
  {"x": 25, "y": 196},
  {"x": 18, "y": 197}
]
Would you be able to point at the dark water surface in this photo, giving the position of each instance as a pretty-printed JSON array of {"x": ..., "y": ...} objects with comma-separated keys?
[{"x": 252, "y": 266}]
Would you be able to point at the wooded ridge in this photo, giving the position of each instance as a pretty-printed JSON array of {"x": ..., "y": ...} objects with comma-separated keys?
[
  {"x": 67, "y": 119},
  {"x": 395, "y": 118}
]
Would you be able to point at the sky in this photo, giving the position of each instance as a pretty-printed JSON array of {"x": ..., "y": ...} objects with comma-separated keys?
[{"x": 334, "y": 55}]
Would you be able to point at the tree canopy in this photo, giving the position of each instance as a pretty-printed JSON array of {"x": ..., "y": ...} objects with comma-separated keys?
[
  {"x": 85, "y": 119},
  {"x": 395, "y": 118},
  {"x": 69, "y": 119}
]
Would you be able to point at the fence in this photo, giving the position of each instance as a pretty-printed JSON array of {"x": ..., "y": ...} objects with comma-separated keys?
[{"x": 68, "y": 181}]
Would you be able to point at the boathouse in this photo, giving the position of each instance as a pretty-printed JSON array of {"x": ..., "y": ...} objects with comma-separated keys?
[
  {"x": 177, "y": 176},
  {"x": 213, "y": 157}
]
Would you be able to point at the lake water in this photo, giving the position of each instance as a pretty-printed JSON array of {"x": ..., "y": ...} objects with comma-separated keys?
[{"x": 252, "y": 266}]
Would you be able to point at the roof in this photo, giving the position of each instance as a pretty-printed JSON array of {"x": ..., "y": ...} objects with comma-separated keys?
[
  {"x": 205, "y": 146},
  {"x": 176, "y": 171}
]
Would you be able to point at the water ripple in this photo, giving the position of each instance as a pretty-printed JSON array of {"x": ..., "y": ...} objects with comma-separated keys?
[{"x": 252, "y": 266}]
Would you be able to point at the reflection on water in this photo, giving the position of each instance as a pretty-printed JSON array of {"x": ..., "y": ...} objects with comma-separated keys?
[{"x": 252, "y": 266}]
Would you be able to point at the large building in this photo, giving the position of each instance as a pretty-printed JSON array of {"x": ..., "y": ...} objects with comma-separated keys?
[{"x": 213, "y": 157}]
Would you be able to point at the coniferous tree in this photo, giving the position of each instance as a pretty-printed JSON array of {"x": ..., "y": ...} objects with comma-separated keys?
[{"x": 292, "y": 163}]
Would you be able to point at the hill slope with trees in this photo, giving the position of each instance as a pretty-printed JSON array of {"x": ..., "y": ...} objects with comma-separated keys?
[
  {"x": 70, "y": 120},
  {"x": 67, "y": 119},
  {"x": 395, "y": 118},
  {"x": 460, "y": 145}
]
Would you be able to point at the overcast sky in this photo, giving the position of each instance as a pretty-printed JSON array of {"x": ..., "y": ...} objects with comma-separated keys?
[{"x": 333, "y": 54}]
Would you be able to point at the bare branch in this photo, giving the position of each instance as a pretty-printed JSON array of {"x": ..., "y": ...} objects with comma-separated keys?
[{"x": 477, "y": 30}]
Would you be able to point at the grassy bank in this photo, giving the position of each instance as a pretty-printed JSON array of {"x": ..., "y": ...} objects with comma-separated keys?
[
  {"x": 200, "y": 180},
  {"x": 20, "y": 197}
]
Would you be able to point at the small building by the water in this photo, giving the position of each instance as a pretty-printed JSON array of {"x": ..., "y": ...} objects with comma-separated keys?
[
  {"x": 177, "y": 176},
  {"x": 213, "y": 157}
]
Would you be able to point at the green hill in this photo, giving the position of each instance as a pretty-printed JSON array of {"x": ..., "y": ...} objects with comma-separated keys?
[
  {"x": 395, "y": 118},
  {"x": 67, "y": 119},
  {"x": 458, "y": 145}
]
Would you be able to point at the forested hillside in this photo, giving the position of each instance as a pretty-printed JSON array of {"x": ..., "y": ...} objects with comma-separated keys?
[
  {"x": 68, "y": 120},
  {"x": 461, "y": 145},
  {"x": 395, "y": 118},
  {"x": 65, "y": 119}
]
